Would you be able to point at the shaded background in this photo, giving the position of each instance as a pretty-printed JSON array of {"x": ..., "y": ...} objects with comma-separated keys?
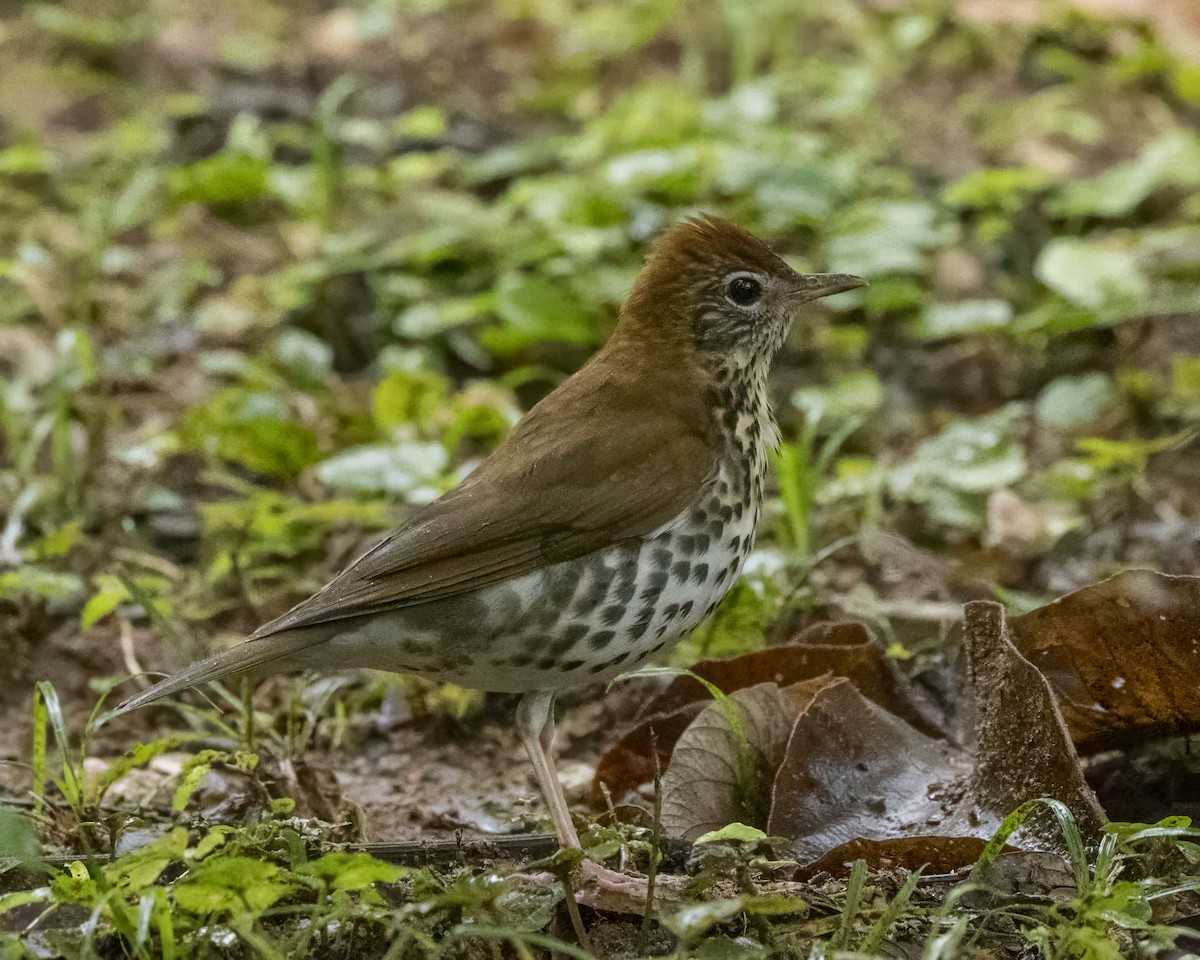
[{"x": 270, "y": 273}]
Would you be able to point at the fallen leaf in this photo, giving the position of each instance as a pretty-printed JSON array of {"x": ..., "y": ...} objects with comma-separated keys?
[
  {"x": 631, "y": 762},
  {"x": 825, "y": 649},
  {"x": 935, "y": 854},
  {"x": 1123, "y": 657},
  {"x": 722, "y": 768},
  {"x": 853, "y": 772},
  {"x": 844, "y": 649},
  {"x": 1021, "y": 744}
]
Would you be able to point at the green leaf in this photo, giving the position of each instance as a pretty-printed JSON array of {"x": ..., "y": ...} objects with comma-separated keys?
[
  {"x": 212, "y": 841},
  {"x": 223, "y": 182},
  {"x": 696, "y": 919},
  {"x": 18, "y": 839},
  {"x": 891, "y": 294},
  {"x": 75, "y": 884},
  {"x": 137, "y": 756},
  {"x": 191, "y": 775},
  {"x": 59, "y": 542},
  {"x": 532, "y": 310},
  {"x": 1105, "y": 454},
  {"x": 110, "y": 594},
  {"x": 29, "y": 582},
  {"x": 964, "y": 317},
  {"x": 1092, "y": 274},
  {"x": 255, "y": 429},
  {"x": 421, "y": 123},
  {"x": 139, "y": 869},
  {"x": 853, "y": 396},
  {"x": 342, "y": 870},
  {"x": 656, "y": 114},
  {"x": 433, "y": 318},
  {"x": 398, "y": 468},
  {"x": 1185, "y": 378},
  {"x": 733, "y": 831},
  {"x": 1172, "y": 160},
  {"x": 1185, "y": 79},
  {"x": 971, "y": 456},
  {"x": 1070, "y": 401},
  {"x": 952, "y": 473},
  {"x": 671, "y": 174},
  {"x": 23, "y": 159},
  {"x": 21, "y": 898},
  {"x": 231, "y": 884},
  {"x": 1005, "y": 188},
  {"x": 889, "y": 237},
  {"x": 714, "y": 947},
  {"x": 406, "y": 397},
  {"x": 306, "y": 357}
]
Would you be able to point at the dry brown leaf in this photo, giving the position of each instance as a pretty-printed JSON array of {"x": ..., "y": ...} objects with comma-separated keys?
[
  {"x": 851, "y": 777},
  {"x": 1022, "y": 748},
  {"x": 936, "y": 854},
  {"x": 1123, "y": 657},
  {"x": 717, "y": 777},
  {"x": 844, "y": 649},
  {"x": 853, "y": 772},
  {"x": 825, "y": 649},
  {"x": 632, "y": 761}
]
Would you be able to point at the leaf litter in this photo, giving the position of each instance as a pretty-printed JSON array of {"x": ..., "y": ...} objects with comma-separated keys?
[{"x": 808, "y": 744}]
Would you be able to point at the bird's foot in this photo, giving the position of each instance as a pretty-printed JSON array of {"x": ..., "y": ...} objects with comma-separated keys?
[{"x": 599, "y": 888}]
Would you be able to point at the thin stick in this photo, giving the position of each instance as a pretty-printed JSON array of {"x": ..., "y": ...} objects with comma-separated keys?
[
  {"x": 655, "y": 839},
  {"x": 581, "y": 933}
]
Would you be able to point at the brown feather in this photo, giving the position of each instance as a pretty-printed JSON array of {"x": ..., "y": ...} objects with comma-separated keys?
[
  {"x": 698, "y": 249},
  {"x": 546, "y": 494}
]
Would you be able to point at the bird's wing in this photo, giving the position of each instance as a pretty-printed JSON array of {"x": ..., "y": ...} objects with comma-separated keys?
[{"x": 585, "y": 473}]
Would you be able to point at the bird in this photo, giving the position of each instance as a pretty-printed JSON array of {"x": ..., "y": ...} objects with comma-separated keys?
[{"x": 610, "y": 522}]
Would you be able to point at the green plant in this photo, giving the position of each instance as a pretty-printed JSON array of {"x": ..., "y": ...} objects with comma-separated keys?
[
  {"x": 1111, "y": 912},
  {"x": 83, "y": 793},
  {"x": 803, "y": 466}
]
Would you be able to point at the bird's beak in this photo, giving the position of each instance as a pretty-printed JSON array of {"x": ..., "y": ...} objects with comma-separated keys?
[{"x": 813, "y": 286}]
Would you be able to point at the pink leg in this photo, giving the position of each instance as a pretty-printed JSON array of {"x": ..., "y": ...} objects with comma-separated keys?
[{"x": 535, "y": 722}]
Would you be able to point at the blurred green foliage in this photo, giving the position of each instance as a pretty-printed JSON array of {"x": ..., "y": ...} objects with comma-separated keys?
[{"x": 271, "y": 274}]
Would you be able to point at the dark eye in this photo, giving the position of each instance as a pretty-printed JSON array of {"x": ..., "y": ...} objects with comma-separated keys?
[{"x": 744, "y": 291}]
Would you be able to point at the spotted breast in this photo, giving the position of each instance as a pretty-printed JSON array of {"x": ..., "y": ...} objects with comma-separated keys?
[{"x": 570, "y": 623}]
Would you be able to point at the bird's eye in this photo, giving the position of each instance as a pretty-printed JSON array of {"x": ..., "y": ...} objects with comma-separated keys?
[{"x": 744, "y": 291}]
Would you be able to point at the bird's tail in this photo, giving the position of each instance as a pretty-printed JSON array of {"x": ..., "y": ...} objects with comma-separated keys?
[{"x": 276, "y": 653}]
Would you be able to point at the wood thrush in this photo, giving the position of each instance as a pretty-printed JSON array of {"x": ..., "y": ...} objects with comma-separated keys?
[{"x": 611, "y": 521}]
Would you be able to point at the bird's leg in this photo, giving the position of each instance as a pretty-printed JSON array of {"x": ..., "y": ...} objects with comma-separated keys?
[
  {"x": 600, "y": 887},
  {"x": 535, "y": 721}
]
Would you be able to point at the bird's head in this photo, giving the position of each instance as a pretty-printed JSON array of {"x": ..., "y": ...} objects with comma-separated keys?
[{"x": 723, "y": 292}]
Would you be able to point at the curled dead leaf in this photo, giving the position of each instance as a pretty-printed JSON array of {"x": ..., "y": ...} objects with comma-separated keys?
[
  {"x": 845, "y": 649},
  {"x": 830, "y": 765},
  {"x": 853, "y": 771},
  {"x": 723, "y": 765},
  {"x": 639, "y": 753},
  {"x": 1123, "y": 657},
  {"x": 936, "y": 854},
  {"x": 1022, "y": 748},
  {"x": 826, "y": 649},
  {"x": 854, "y": 777}
]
